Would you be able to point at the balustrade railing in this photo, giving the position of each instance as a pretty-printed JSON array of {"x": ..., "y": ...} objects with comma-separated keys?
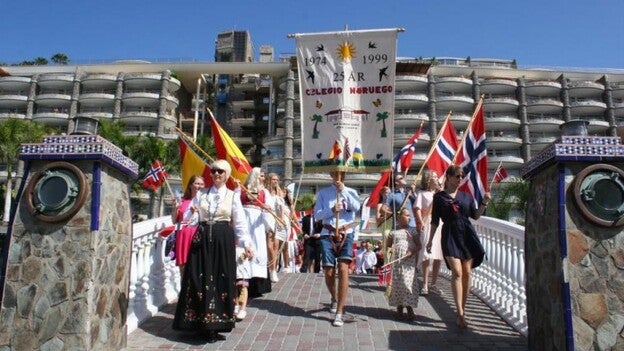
[
  {"x": 154, "y": 278},
  {"x": 499, "y": 281}
]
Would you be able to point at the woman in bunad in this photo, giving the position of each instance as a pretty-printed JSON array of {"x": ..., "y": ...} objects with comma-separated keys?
[
  {"x": 186, "y": 219},
  {"x": 207, "y": 296},
  {"x": 253, "y": 200}
]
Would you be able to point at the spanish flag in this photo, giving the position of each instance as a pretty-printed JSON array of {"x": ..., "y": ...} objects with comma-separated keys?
[
  {"x": 229, "y": 151},
  {"x": 335, "y": 152},
  {"x": 192, "y": 164}
]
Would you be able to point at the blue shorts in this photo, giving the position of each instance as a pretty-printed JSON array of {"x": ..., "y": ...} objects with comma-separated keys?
[{"x": 329, "y": 257}]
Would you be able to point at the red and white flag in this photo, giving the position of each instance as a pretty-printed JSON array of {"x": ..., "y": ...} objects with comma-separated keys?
[
  {"x": 444, "y": 149},
  {"x": 403, "y": 159},
  {"x": 384, "y": 275},
  {"x": 154, "y": 177},
  {"x": 472, "y": 157},
  {"x": 500, "y": 173}
]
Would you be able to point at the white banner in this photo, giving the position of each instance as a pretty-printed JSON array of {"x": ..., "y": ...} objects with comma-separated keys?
[{"x": 346, "y": 84}]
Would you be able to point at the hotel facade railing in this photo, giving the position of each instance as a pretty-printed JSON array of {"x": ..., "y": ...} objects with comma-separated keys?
[{"x": 499, "y": 281}]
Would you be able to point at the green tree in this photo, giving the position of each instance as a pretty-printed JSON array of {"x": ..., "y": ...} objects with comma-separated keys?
[
  {"x": 40, "y": 61},
  {"x": 14, "y": 132},
  {"x": 305, "y": 202},
  {"x": 60, "y": 58},
  {"x": 382, "y": 117},
  {"x": 511, "y": 195}
]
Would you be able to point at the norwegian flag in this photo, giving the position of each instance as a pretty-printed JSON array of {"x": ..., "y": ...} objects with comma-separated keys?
[
  {"x": 500, "y": 173},
  {"x": 346, "y": 154},
  {"x": 444, "y": 148},
  {"x": 384, "y": 275},
  {"x": 154, "y": 177},
  {"x": 472, "y": 157},
  {"x": 403, "y": 159}
]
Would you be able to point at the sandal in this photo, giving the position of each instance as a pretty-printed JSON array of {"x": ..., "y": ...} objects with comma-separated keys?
[{"x": 461, "y": 322}]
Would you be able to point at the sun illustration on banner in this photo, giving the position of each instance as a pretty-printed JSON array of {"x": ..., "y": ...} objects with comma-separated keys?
[{"x": 346, "y": 51}]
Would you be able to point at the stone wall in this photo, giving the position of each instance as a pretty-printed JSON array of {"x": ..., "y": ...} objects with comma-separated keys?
[
  {"x": 67, "y": 285},
  {"x": 596, "y": 271},
  {"x": 545, "y": 310}
]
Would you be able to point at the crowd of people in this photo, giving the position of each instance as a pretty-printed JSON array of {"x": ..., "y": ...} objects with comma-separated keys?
[{"x": 230, "y": 244}]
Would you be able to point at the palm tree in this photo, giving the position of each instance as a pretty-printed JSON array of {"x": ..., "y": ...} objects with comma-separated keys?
[
  {"x": 60, "y": 58},
  {"x": 382, "y": 117},
  {"x": 316, "y": 119},
  {"x": 13, "y": 133},
  {"x": 512, "y": 195},
  {"x": 40, "y": 61}
]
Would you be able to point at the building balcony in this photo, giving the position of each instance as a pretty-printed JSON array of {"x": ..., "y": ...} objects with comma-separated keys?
[
  {"x": 543, "y": 88},
  {"x": 96, "y": 99},
  {"x": 242, "y": 122},
  {"x": 411, "y": 83},
  {"x": 540, "y": 143},
  {"x": 454, "y": 102},
  {"x": 585, "y": 89},
  {"x": 96, "y": 115},
  {"x": 141, "y": 99},
  {"x": 510, "y": 161},
  {"x": 544, "y": 105},
  {"x": 56, "y": 81},
  {"x": 597, "y": 125},
  {"x": 13, "y": 100},
  {"x": 142, "y": 80},
  {"x": 506, "y": 142},
  {"x": 454, "y": 84},
  {"x": 174, "y": 85},
  {"x": 99, "y": 81},
  {"x": 410, "y": 100},
  {"x": 400, "y": 139},
  {"x": 409, "y": 119},
  {"x": 17, "y": 115},
  {"x": 617, "y": 90},
  {"x": 498, "y": 86},
  {"x": 238, "y": 105},
  {"x": 138, "y": 117},
  {"x": 502, "y": 122},
  {"x": 500, "y": 104},
  {"x": 14, "y": 83},
  {"x": 53, "y": 99},
  {"x": 544, "y": 124},
  {"x": 618, "y": 109},
  {"x": 51, "y": 118},
  {"x": 587, "y": 107}
]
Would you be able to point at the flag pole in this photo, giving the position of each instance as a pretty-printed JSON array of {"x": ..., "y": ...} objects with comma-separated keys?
[
  {"x": 397, "y": 260},
  {"x": 254, "y": 198}
]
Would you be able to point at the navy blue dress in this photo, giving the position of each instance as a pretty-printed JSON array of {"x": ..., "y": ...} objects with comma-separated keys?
[{"x": 459, "y": 238}]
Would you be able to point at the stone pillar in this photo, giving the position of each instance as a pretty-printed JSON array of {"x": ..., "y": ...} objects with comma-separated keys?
[
  {"x": 574, "y": 244},
  {"x": 289, "y": 124},
  {"x": 68, "y": 268}
]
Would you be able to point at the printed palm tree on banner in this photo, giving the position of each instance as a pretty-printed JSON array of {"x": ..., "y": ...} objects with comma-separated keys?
[
  {"x": 316, "y": 119},
  {"x": 382, "y": 116}
]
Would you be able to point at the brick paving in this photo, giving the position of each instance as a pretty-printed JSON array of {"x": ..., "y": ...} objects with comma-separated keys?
[{"x": 295, "y": 316}]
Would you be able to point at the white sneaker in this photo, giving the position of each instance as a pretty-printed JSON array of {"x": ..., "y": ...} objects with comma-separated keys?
[
  {"x": 236, "y": 309},
  {"x": 274, "y": 278},
  {"x": 338, "y": 320},
  {"x": 334, "y": 306},
  {"x": 434, "y": 289},
  {"x": 241, "y": 314}
]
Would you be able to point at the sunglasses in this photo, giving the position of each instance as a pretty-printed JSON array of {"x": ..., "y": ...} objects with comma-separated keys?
[{"x": 215, "y": 171}]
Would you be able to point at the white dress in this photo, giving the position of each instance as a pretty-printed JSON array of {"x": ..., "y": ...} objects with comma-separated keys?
[
  {"x": 255, "y": 219},
  {"x": 424, "y": 201}
]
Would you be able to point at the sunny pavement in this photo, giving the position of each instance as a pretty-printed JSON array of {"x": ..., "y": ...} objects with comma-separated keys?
[{"x": 295, "y": 316}]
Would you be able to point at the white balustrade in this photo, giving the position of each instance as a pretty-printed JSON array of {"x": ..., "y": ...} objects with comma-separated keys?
[{"x": 154, "y": 278}]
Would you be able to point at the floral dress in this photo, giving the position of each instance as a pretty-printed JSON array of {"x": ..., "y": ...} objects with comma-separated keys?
[{"x": 405, "y": 287}]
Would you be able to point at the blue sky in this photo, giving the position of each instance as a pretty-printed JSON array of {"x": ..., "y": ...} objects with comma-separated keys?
[{"x": 552, "y": 33}]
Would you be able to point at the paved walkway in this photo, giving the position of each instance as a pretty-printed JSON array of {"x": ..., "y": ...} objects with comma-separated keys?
[{"x": 295, "y": 316}]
